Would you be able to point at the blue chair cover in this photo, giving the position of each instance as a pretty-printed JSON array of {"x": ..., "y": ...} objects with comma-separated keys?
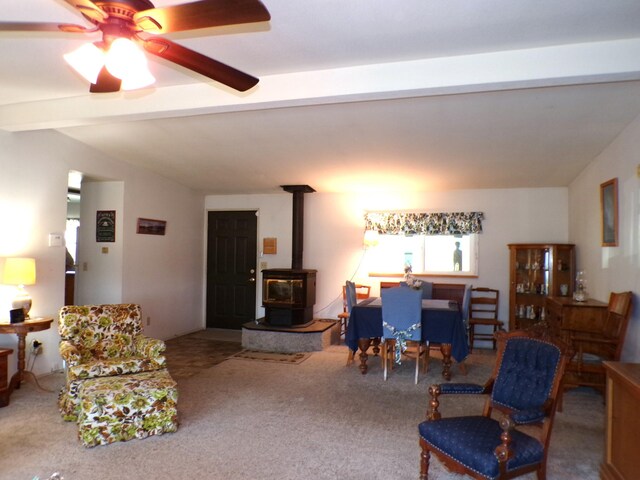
[
  {"x": 351, "y": 295},
  {"x": 401, "y": 316},
  {"x": 466, "y": 302}
]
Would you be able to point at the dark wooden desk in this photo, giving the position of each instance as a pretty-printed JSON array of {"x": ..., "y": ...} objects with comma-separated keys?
[
  {"x": 575, "y": 322},
  {"x": 565, "y": 315},
  {"x": 21, "y": 330}
]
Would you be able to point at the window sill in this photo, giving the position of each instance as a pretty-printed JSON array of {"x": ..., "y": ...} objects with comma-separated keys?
[{"x": 425, "y": 275}]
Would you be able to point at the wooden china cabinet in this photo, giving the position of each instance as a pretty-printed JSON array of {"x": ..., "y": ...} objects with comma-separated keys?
[{"x": 536, "y": 271}]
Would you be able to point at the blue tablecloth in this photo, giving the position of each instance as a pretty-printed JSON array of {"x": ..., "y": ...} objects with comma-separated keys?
[{"x": 441, "y": 323}]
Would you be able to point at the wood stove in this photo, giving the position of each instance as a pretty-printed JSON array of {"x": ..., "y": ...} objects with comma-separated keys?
[{"x": 289, "y": 294}]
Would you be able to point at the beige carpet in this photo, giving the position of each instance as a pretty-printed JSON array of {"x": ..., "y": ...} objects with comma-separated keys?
[{"x": 242, "y": 420}]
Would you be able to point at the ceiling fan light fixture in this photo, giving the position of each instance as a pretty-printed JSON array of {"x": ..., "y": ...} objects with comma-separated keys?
[
  {"x": 138, "y": 78},
  {"x": 87, "y": 60},
  {"x": 125, "y": 60}
]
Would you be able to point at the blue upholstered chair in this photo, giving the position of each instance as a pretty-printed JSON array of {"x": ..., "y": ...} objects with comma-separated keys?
[
  {"x": 524, "y": 389},
  {"x": 352, "y": 299},
  {"x": 402, "y": 327}
]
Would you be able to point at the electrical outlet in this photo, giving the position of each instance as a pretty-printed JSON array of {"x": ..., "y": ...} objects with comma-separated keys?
[
  {"x": 148, "y": 321},
  {"x": 36, "y": 347},
  {"x": 263, "y": 265}
]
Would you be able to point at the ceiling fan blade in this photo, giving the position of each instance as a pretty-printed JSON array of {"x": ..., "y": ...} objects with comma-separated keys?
[
  {"x": 42, "y": 27},
  {"x": 89, "y": 9},
  {"x": 105, "y": 83},
  {"x": 201, "y": 14},
  {"x": 199, "y": 63}
]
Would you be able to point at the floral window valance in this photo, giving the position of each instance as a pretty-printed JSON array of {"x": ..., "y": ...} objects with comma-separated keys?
[{"x": 457, "y": 223}]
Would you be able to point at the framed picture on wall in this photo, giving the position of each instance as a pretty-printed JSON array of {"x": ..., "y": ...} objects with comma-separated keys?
[
  {"x": 106, "y": 226},
  {"x": 609, "y": 209},
  {"x": 149, "y": 226}
]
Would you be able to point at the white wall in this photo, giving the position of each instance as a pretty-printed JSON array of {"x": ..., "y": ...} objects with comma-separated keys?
[
  {"x": 162, "y": 273},
  {"x": 611, "y": 269},
  {"x": 99, "y": 275},
  {"x": 334, "y": 228}
]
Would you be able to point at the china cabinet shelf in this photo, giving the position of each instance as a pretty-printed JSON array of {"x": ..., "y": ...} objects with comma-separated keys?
[{"x": 536, "y": 271}]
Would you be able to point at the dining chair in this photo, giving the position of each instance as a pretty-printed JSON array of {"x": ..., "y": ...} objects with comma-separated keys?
[
  {"x": 351, "y": 294},
  {"x": 402, "y": 328},
  {"x": 357, "y": 293},
  {"x": 483, "y": 312},
  {"x": 511, "y": 437}
]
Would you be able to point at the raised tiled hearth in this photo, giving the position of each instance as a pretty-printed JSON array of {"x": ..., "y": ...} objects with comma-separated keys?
[{"x": 314, "y": 337}]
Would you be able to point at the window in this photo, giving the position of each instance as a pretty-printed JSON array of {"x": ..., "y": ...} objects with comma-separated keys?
[
  {"x": 427, "y": 254},
  {"x": 431, "y": 243}
]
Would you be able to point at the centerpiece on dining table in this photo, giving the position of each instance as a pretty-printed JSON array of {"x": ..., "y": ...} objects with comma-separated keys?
[{"x": 410, "y": 280}]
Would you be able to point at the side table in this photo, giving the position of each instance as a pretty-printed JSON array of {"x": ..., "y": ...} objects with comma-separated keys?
[
  {"x": 4, "y": 376},
  {"x": 21, "y": 330}
]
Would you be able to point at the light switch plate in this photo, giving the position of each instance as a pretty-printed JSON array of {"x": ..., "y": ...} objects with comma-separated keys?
[{"x": 56, "y": 240}]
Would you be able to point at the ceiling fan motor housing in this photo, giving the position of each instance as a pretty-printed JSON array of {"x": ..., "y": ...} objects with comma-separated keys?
[{"x": 124, "y": 9}]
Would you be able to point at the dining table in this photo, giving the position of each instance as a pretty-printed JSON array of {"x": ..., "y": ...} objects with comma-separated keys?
[{"x": 441, "y": 323}]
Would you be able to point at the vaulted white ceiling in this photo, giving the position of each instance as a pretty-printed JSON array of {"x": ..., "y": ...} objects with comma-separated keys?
[{"x": 354, "y": 95}]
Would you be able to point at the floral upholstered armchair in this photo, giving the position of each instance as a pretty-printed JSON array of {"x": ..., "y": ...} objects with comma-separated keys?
[{"x": 103, "y": 341}]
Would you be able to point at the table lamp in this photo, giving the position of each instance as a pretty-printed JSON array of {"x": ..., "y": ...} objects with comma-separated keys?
[
  {"x": 20, "y": 272},
  {"x": 371, "y": 238}
]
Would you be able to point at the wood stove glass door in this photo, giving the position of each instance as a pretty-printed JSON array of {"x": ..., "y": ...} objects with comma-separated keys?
[{"x": 231, "y": 268}]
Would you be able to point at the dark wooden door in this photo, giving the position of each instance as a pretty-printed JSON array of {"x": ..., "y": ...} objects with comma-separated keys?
[{"x": 231, "y": 269}]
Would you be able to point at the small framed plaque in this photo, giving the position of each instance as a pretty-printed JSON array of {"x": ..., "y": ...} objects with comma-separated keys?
[
  {"x": 106, "y": 226},
  {"x": 270, "y": 246}
]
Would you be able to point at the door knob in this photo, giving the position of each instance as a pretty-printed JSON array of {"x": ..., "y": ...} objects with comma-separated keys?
[{"x": 252, "y": 279}]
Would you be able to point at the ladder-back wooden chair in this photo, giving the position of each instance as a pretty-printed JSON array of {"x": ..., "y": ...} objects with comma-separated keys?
[{"x": 483, "y": 312}]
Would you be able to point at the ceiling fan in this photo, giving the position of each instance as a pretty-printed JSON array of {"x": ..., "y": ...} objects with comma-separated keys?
[{"x": 134, "y": 19}]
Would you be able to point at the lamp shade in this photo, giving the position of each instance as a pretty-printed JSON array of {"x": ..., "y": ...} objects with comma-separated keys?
[
  {"x": 123, "y": 59},
  {"x": 19, "y": 271},
  {"x": 371, "y": 238},
  {"x": 87, "y": 60}
]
